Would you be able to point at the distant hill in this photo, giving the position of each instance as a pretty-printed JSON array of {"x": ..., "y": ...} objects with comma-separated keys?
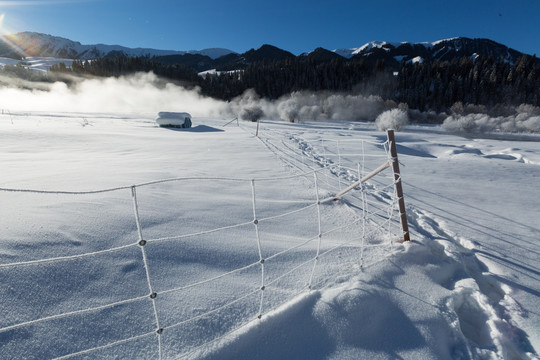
[
  {"x": 231, "y": 61},
  {"x": 26, "y": 44},
  {"x": 35, "y": 44},
  {"x": 321, "y": 55},
  {"x": 392, "y": 54}
]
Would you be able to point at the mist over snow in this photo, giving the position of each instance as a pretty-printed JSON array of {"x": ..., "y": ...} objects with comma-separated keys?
[
  {"x": 304, "y": 105},
  {"x": 141, "y": 92},
  {"x": 149, "y": 94}
]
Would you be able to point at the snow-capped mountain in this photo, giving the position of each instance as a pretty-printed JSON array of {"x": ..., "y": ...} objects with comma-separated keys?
[
  {"x": 26, "y": 44},
  {"x": 390, "y": 52},
  {"x": 442, "y": 50},
  {"x": 30, "y": 44},
  {"x": 349, "y": 53}
]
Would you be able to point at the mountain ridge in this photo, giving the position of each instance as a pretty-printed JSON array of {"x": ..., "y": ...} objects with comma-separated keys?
[
  {"x": 391, "y": 54},
  {"x": 37, "y": 44}
]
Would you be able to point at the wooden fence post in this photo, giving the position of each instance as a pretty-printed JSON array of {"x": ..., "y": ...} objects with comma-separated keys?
[{"x": 399, "y": 188}]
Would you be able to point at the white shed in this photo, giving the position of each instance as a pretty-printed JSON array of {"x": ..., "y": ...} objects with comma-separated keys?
[{"x": 174, "y": 119}]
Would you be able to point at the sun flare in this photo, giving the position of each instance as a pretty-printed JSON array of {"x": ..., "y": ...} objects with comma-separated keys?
[
  {"x": 9, "y": 38},
  {"x": 4, "y": 30},
  {"x": 2, "y": 16}
]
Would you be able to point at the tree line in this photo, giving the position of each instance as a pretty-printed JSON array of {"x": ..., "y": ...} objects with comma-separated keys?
[
  {"x": 429, "y": 85},
  {"x": 481, "y": 81}
]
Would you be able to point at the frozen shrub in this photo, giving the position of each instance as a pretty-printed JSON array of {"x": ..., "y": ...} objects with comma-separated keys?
[
  {"x": 300, "y": 106},
  {"x": 501, "y": 110},
  {"x": 465, "y": 109},
  {"x": 392, "y": 119},
  {"x": 434, "y": 118},
  {"x": 251, "y": 113},
  {"x": 288, "y": 110},
  {"x": 416, "y": 116},
  {"x": 403, "y": 106},
  {"x": 390, "y": 104},
  {"x": 457, "y": 108},
  {"x": 482, "y": 123},
  {"x": 247, "y": 106},
  {"x": 528, "y": 109},
  {"x": 508, "y": 124},
  {"x": 352, "y": 107},
  {"x": 474, "y": 109},
  {"x": 311, "y": 112},
  {"x": 459, "y": 124},
  {"x": 532, "y": 124},
  {"x": 521, "y": 117}
]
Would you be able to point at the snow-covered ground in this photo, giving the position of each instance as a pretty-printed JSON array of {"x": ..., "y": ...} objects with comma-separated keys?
[
  {"x": 42, "y": 64},
  {"x": 466, "y": 287}
]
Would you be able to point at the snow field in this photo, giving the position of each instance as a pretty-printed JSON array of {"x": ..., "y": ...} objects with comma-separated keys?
[
  {"x": 464, "y": 288},
  {"x": 196, "y": 228}
]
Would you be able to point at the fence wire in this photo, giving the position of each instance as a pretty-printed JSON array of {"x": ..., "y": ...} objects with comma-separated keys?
[{"x": 283, "y": 264}]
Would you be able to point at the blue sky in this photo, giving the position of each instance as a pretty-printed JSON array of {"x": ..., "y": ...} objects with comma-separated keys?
[{"x": 295, "y": 25}]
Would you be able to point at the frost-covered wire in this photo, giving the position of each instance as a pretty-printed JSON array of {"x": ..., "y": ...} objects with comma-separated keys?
[
  {"x": 119, "y": 342},
  {"x": 68, "y": 257},
  {"x": 142, "y": 244},
  {"x": 330, "y": 158},
  {"x": 72, "y": 313}
]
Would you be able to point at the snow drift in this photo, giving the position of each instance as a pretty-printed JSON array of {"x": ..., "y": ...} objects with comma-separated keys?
[{"x": 464, "y": 288}]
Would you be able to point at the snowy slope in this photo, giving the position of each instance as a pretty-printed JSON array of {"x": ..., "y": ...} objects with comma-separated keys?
[
  {"x": 42, "y": 64},
  {"x": 466, "y": 287},
  {"x": 44, "y": 45},
  {"x": 445, "y": 49},
  {"x": 348, "y": 53}
]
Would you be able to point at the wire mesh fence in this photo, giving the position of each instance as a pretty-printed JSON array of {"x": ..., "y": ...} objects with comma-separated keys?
[{"x": 161, "y": 269}]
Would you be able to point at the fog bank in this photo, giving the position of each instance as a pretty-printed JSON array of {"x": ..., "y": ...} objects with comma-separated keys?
[
  {"x": 148, "y": 94},
  {"x": 138, "y": 93},
  {"x": 303, "y": 105}
]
